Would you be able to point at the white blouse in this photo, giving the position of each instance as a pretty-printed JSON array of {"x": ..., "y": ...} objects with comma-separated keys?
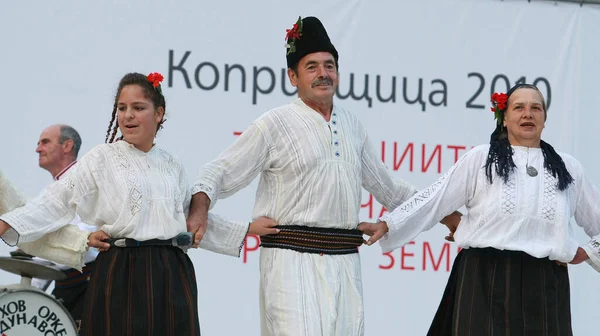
[
  {"x": 311, "y": 171},
  {"x": 526, "y": 214},
  {"x": 92, "y": 253},
  {"x": 10, "y": 197},
  {"x": 125, "y": 192}
]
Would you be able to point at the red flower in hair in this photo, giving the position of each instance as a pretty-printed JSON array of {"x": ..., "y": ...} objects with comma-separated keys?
[
  {"x": 155, "y": 78},
  {"x": 499, "y": 102}
]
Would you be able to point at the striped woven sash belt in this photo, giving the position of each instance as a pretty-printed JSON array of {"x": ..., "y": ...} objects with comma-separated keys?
[{"x": 314, "y": 240}]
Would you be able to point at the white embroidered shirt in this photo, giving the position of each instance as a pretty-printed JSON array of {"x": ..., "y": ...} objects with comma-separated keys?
[
  {"x": 125, "y": 192},
  {"x": 311, "y": 171},
  {"x": 526, "y": 214}
]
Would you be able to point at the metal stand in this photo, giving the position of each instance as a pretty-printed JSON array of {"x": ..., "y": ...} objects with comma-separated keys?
[{"x": 25, "y": 281}]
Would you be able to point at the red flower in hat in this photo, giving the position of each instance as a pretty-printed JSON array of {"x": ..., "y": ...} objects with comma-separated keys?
[
  {"x": 155, "y": 78},
  {"x": 293, "y": 33}
]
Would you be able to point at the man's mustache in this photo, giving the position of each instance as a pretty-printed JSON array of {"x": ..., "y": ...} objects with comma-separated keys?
[{"x": 322, "y": 81}]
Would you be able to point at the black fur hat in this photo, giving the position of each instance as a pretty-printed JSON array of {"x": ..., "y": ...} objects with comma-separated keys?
[{"x": 307, "y": 36}]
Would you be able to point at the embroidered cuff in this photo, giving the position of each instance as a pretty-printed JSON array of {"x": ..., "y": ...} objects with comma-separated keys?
[
  {"x": 224, "y": 236},
  {"x": 593, "y": 251},
  {"x": 11, "y": 237},
  {"x": 200, "y": 187},
  {"x": 244, "y": 240},
  {"x": 385, "y": 242}
]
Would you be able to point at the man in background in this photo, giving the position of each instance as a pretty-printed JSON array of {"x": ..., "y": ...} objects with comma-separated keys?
[{"x": 58, "y": 148}]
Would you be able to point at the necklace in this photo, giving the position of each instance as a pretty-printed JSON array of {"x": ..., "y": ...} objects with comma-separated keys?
[{"x": 531, "y": 171}]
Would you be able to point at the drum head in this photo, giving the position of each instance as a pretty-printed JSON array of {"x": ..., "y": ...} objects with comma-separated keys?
[
  {"x": 31, "y": 268},
  {"x": 25, "y": 312}
]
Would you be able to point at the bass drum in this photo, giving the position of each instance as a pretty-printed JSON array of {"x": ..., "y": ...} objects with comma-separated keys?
[{"x": 25, "y": 312}]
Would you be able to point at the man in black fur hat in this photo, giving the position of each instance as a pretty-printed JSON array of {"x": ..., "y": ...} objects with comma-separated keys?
[{"x": 313, "y": 157}]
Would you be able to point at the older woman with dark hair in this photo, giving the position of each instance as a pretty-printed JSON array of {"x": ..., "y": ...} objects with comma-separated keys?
[{"x": 520, "y": 194}]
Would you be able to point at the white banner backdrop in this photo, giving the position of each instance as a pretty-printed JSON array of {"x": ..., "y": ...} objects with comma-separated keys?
[{"x": 417, "y": 73}]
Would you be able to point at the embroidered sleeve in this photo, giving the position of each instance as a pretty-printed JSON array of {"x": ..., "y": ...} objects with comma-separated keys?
[
  {"x": 224, "y": 236},
  {"x": 592, "y": 248},
  {"x": 55, "y": 206},
  {"x": 10, "y": 197},
  {"x": 66, "y": 246},
  {"x": 376, "y": 179},
  {"x": 587, "y": 215},
  {"x": 237, "y": 166},
  {"x": 427, "y": 207}
]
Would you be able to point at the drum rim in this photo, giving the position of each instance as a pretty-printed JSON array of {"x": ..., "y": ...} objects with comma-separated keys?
[{"x": 8, "y": 290}]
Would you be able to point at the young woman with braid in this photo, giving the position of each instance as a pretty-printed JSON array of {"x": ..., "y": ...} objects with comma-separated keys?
[
  {"x": 132, "y": 189},
  {"x": 511, "y": 275}
]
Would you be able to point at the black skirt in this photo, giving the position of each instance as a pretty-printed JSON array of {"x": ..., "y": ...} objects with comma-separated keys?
[
  {"x": 142, "y": 291},
  {"x": 509, "y": 293}
]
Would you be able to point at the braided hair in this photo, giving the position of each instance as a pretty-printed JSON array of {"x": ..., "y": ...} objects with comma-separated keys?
[
  {"x": 501, "y": 153},
  {"x": 152, "y": 93}
]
